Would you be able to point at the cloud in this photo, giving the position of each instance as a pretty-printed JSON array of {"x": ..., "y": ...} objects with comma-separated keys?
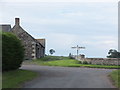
[
  {"x": 14, "y": 1},
  {"x": 62, "y": 13},
  {"x": 72, "y": 14},
  {"x": 46, "y": 21},
  {"x": 93, "y": 25},
  {"x": 103, "y": 42},
  {"x": 65, "y": 41},
  {"x": 61, "y": 40}
]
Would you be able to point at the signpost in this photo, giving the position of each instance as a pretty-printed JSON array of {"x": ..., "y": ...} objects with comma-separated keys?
[{"x": 78, "y": 48}]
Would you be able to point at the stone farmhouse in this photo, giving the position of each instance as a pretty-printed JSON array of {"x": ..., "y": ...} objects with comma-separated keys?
[{"x": 34, "y": 48}]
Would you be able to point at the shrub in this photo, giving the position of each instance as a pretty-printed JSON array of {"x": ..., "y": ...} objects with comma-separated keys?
[
  {"x": 12, "y": 52},
  {"x": 85, "y": 62},
  {"x": 79, "y": 62},
  {"x": 90, "y": 62},
  {"x": 70, "y": 56}
]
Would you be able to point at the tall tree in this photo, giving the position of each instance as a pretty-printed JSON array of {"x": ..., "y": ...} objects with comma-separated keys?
[
  {"x": 113, "y": 54},
  {"x": 52, "y": 51}
]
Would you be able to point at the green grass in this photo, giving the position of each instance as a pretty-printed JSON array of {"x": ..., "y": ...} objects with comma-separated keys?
[
  {"x": 52, "y": 58},
  {"x": 66, "y": 62},
  {"x": 115, "y": 76},
  {"x": 13, "y": 79},
  {"x": 0, "y": 80}
]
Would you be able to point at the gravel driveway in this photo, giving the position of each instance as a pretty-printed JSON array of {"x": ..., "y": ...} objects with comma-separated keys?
[{"x": 68, "y": 77}]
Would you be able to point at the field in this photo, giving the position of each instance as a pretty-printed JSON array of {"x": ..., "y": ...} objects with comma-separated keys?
[{"x": 65, "y": 62}]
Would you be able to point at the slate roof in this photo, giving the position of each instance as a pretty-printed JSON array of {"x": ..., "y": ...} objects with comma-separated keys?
[{"x": 5, "y": 28}]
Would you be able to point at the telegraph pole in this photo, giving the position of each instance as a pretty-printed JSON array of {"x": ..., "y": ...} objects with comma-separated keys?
[{"x": 78, "y": 48}]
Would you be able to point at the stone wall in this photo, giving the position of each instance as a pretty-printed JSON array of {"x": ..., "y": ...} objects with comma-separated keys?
[
  {"x": 98, "y": 61},
  {"x": 102, "y": 61}
]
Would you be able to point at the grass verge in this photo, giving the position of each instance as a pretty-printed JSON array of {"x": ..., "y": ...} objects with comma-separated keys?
[
  {"x": 13, "y": 79},
  {"x": 115, "y": 76},
  {"x": 66, "y": 62}
]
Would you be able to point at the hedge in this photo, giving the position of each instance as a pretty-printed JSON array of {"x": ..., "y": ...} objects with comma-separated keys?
[{"x": 12, "y": 52}]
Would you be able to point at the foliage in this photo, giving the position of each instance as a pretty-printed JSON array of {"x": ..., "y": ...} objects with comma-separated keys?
[
  {"x": 79, "y": 62},
  {"x": 85, "y": 62},
  {"x": 115, "y": 75},
  {"x": 12, "y": 52},
  {"x": 113, "y": 54},
  {"x": 13, "y": 79},
  {"x": 52, "y": 51},
  {"x": 70, "y": 56}
]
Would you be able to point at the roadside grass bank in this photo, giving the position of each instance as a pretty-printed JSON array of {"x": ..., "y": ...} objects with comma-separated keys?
[
  {"x": 115, "y": 76},
  {"x": 13, "y": 79},
  {"x": 66, "y": 62}
]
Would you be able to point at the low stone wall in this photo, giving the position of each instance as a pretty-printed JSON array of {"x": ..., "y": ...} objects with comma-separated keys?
[{"x": 102, "y": 61}]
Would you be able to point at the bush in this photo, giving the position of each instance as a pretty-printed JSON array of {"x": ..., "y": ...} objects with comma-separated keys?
[
  {"x": 85, "y": 62},
  {"x": 12, "y": 52},
  {"x": 79, "y": 62},
  {"x": 90, "y": 62},
  {"x": 70, "y": 56}
]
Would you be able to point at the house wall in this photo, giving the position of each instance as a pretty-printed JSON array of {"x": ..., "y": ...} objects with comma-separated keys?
[
  {"x": 26, "y": 40},
  {"x": 42, "y": 49},
  {"x": 33, "y": 48},
  {"x": 38, "y": 50}
]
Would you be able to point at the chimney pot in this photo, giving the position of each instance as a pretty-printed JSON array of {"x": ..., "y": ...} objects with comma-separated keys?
[{"x": 17, "y": 21}]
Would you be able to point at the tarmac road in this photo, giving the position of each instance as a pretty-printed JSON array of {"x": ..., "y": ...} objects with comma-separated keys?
[{"x": 68, "y": 77}]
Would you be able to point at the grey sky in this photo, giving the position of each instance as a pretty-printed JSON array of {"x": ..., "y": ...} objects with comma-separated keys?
[{"x": 67, "y": 24}]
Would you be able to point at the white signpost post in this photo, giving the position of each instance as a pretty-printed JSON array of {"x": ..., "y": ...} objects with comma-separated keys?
[{"x": 78, "y": 48}]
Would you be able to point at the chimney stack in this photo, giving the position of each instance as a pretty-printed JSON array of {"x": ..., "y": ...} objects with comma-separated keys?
[{"x": 17, "y": 21}]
